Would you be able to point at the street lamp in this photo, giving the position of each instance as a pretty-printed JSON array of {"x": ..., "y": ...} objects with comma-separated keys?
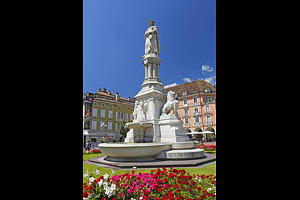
[{"x": 102, "y": 127}]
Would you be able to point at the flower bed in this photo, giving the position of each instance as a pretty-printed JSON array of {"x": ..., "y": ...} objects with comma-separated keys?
[
  {"x": 160, "y": 184},
  {"x": 91, "y": 151},
  {"x": 207, "y": 147}
]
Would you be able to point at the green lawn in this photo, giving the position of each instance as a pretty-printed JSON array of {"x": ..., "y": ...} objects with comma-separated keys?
[
  {"x": 211, "y": 152},
  {"x": 210, "y": 169}
]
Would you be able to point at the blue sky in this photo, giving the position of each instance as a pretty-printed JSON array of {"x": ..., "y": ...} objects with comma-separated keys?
[{"x": 113, "y": 42}]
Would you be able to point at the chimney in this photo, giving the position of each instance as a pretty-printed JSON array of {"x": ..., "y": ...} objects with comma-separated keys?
[
  {"x": 99, "y": 90},
  {"x": 104, "y": 90},
  {"x": 117, "y": 96}
]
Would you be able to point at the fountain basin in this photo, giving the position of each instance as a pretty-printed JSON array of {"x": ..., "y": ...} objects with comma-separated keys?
[{"x": 133, "y": 151}]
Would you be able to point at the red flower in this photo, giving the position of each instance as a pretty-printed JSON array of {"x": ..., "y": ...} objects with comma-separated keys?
[
  {"x": 85, "y": 194},
  {"x": 159, "y": 189}
]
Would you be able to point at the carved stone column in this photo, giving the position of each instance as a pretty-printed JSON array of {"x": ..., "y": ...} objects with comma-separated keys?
[
  {"x": 150, "y": 70},
  {"x": 154, "y": 70},
  {"x": 146, "y": 71}
]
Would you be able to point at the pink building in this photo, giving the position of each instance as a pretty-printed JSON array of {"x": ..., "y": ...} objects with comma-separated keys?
[{"x": 197, "y": 105}]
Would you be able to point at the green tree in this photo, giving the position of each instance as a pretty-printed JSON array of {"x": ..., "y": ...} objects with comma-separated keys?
[{"x": 123, "y": 129}]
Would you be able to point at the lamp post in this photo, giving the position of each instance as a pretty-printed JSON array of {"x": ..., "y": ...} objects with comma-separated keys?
[{"x": 102, "y": 127}]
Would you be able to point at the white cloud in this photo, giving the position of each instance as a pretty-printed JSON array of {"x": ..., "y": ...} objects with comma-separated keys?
[
  {"x": 211, "y": 79},
  {"x": 187, "y": 80},
  {"x": 207, "y": 68}
]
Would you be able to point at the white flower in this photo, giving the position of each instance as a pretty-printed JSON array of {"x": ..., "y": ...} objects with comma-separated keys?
[
  {"x": 141, "y": 198},
  {"x": 208, "y": 189},
  {"x": 132, "y": 199},
  {"x": 100, "y": 183},
  {"x": 108, "y": 191},
  {"x": 112, "y": 171},
  {"x": 113, "y": 186},
  {"x": 105, "y": 176},
  {"x": 97, "y": 171},
  {"x": 105, "y": 184},
  {"x": 91, "y": 180}
]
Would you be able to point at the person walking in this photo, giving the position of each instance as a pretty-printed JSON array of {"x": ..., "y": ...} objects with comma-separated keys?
[{"x": 87, "y": 146}]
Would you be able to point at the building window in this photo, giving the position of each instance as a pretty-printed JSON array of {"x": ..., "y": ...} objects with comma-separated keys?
[
  {"x": 103, "y": 113},
  {"x": 94, "y": 112},
  {"x": 209, "y": 99},
  {"x": 94, "y": 125},
  {"x": 186, "y": 120},
  {"x": 131, "y": 117},
  {"x": 195, "y": 99},
  {"x": 126, "y": 117},
  {"x": 184, "y": 93},
  {"x": 117, "y": 117},
  {"x": 208, "y": 119},
  {"x": 207, "y": 108},
  {"x": 117, "y": 126},
  {"x": 196, "y": 119},
  {"x": 185, "y": 101},
  {"x": 110, "y": 114},
  {"x": 186, "y": 111},
  {"x": 109, "y": 125},
  {"x": 196, "y": 110}
]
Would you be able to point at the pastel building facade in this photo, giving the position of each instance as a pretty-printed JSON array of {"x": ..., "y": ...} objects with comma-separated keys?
[
  {"x": 197, "y": 105},
  {"x": 108, "y": 112}
]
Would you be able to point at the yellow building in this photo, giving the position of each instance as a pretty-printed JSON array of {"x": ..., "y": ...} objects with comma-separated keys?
[{"x": 108, "y": 112}]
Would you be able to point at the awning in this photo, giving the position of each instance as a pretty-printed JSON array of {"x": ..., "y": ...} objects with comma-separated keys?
[
  {"x": 194, "y": 133},
  {"x": 85, "y": 132},
  {"x": 204, "y": 132},
  {"x": 207, "y": 132}
]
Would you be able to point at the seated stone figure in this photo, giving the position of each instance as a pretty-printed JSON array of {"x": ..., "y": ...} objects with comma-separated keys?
[{"x": 171, "y": 103}]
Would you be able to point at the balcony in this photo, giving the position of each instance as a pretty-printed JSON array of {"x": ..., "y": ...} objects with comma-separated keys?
[
  {"x": 197, "y": 124},
  {"x": 208, "y": 112},
  {"x": 196, "y": 113},
  {"x": 209, "y": 123}
]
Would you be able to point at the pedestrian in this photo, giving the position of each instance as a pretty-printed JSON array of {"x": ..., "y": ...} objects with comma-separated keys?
[{"x": 87, "y": 146}]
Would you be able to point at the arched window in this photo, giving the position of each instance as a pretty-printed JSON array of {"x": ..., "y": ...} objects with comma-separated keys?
[{"x": 208, "y": 90}]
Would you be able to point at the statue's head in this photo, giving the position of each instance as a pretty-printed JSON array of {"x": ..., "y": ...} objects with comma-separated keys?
[
  {"x": 171, "y": 96},
  {"x": 151, "y": 22}
]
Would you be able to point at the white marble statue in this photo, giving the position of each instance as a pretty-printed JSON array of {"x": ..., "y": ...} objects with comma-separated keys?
[
  {"x": 152, "y": 41},
  {"x": 171, "y": 103},
  {"x": 135, "y": 111},
  {"x": 140, "y": 111}
]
